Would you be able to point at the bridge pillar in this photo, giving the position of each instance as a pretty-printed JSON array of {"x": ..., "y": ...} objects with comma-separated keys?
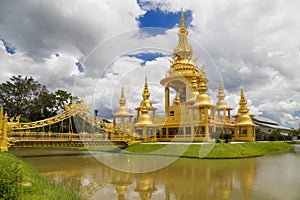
[{"x": 3, "y": 131}]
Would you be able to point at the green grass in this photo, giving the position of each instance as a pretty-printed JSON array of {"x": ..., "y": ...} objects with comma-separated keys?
[
  {"x": 212, "y": 151},
  {"x": 105, "y": 148},
  {"x": 29, "y": 183}
]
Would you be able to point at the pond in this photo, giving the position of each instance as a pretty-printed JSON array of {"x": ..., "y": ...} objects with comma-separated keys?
[{"x": 269, "y": 177}]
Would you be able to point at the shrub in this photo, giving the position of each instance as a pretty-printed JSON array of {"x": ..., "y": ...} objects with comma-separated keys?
[
  {"x": 10, "y": 179},
  {"x": 227, "y": 137}
]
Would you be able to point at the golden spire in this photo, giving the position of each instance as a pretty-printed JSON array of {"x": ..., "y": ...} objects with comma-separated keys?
[
  {"x": 184, "y": 49},
  {"x": 146, "y": 93},
  {"x": 221, "y": 104},
  {"x": 243, "y": 103},
  {"x": 203, "y": 80},
  {"x": 221, "y": 94},
  {"x": 122, "y": 110},
  {"x": 122, "y": 99},
  {"x": 203, "y": 72},
  {"x": 182, "y": 25}
]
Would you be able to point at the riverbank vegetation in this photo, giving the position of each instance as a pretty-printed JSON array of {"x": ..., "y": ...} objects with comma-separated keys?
[
  {"x": 19, "y": 180},
  {"x": 31, "y": 100},
  {"x": 207, "y": 151}
]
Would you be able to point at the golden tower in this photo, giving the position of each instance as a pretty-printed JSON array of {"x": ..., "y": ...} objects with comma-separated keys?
[
  {"x": 191, "y": 115},
  {"x": 222, "y": 108},
  {"x": 244, "y": 128},
  {"x": 144, "y": 125},
  {"x": 122, "y": 114}
]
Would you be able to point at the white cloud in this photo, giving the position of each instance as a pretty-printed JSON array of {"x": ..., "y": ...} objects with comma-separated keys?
[{"x": 250, "y": 44}]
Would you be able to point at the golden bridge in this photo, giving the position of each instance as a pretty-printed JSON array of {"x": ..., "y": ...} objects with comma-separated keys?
[{"x": 59, "y": 131}]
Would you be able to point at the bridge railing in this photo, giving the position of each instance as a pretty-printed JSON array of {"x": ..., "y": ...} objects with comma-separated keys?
[{"x": 56, "y": 136}]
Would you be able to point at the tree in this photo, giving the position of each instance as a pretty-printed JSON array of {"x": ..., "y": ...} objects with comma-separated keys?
[{"x": 26, "y": 97}]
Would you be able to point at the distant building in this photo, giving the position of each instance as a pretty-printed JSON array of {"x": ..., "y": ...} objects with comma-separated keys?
[{"x": 266, "y": 126}]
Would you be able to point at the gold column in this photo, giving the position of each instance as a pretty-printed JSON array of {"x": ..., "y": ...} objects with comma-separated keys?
[
  {"x": 206, "y": 123},
  {"x": 167, "y": 100},
  {"x": 3, "y": 134}
]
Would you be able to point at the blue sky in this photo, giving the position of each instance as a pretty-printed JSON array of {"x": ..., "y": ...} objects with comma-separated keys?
[
  {"x": 146, "y": 56},
  {"x": 9, "y": 49},
  {"x": 158, "y": 18}
]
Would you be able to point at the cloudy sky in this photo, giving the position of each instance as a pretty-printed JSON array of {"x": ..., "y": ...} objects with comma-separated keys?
[{"x": 93, "y": 47}]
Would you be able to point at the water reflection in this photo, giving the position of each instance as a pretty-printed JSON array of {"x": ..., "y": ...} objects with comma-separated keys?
[{"x": 184, "y": 179}]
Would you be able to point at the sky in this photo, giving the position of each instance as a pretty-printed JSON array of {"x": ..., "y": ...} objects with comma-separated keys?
[{"x": 92, "y": 48}]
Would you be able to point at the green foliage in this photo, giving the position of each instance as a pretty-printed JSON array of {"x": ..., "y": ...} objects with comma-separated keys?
[
  {"x": 221, "y": 136},
  {"x": 227, "y": 137},
  {"x": 26, "y": 97},
  {"x": 276, "y": 135},
  {"x": 295, "y": 132},
  {"x": 10, "y": 179},
  {"x": 19, "y": 180}
]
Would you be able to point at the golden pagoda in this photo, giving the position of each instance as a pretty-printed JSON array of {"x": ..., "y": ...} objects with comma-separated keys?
[
  {"x": 122, "y": 114},
  {"x": 244, "y": 127},
  {"x": 144, "y": 125},
  {"x": 191, "y": 116}
]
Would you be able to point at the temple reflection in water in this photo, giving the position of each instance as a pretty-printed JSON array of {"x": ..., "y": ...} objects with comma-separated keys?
[{"x": 184, "y": 179}]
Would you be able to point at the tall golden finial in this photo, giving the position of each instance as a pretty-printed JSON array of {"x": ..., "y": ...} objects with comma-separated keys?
[
  {"x": 203, "y": 80},
  {"x": 146, "y": 93},
  {"x": 203, "y": 72},
  {"x": 221, "y": 93},
  {"x": 122, "y": 99},
  {"x": 184, "y": 49},
  {"x": 243, "y": 103},
  {"x": 146, "y": 96},
  {"x": 182, "y": 26},
  {"x": 221, "y": 104}
]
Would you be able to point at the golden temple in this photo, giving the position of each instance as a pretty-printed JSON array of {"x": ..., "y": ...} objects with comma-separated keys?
[{"x": 191, "y": 116}]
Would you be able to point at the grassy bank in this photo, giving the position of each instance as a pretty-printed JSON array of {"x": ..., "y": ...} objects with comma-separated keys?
[
  {"x": 211, "y": 151},
  {"x": 19, "y": 180},
  {"x": 105, "y": 148}
]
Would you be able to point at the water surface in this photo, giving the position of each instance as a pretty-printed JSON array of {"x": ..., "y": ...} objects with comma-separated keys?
[{"x": 268, "y": 177}]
